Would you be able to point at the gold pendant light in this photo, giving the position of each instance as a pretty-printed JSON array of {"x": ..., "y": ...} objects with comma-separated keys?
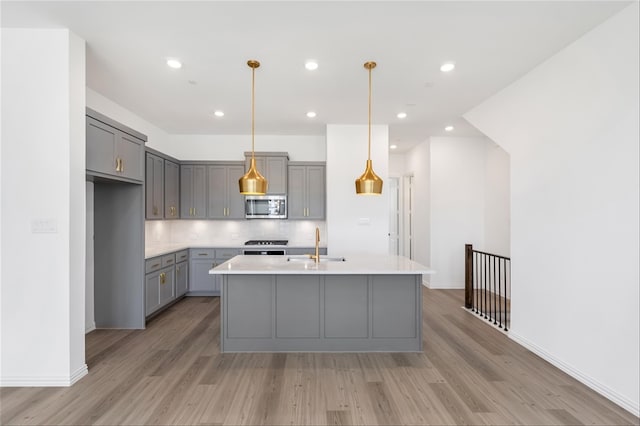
[
  {"x": 253, "y": 183},
  {"x": 369, "y": 183}
]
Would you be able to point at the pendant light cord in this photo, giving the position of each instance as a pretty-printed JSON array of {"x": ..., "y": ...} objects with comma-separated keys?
[
  {"x": 253, "y": 125},
  {"x": 369, "y": 151}
]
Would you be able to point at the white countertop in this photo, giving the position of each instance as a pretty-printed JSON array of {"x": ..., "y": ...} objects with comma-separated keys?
[
  {"x": 353, "y": 265},
  {"x": 159, "y": 250}
]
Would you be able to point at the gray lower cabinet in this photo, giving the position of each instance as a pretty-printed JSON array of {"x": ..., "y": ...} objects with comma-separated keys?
[
  {"x": 193, "y": 192},
  {"x": 273, "y": 166},
  {"x": 296, "y": 251},
  {"x": 171, "y": 190},
  {"x": 225, "y": 200},
  {"x": 343, "y": 313},
  {"x": 165, "y": 280},
  {"x": 159, "y": 289},
  {"x": 200, "y": 282},
  {"x": 306, "y": 192},
  {"x": 154, "y": 187},
  {"x": 182, "y": 272},
  {"x": 113, "y": 150}
]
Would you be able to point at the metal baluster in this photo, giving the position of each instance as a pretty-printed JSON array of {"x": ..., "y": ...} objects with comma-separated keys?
[
  {"x": 500, "y": 290},
  {"x": 495, "y": 313},
  {"x": 485, "y": 286}
]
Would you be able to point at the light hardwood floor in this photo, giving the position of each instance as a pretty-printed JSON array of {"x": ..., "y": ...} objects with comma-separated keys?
[{"x": 173, "y": 373}]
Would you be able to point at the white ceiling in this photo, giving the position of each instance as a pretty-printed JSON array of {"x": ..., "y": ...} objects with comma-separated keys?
[{"x": 492, "y": 44}]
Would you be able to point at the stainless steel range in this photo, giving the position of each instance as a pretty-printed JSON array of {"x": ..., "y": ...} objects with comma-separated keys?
[{"x": 265, "y": 247}]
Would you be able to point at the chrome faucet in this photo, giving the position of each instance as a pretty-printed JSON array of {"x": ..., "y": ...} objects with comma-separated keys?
[{"x": 316, "y": 257}]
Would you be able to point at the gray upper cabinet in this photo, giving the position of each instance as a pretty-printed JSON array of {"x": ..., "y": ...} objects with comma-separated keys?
[
  {"x": 273, "y": 166},
  {"x": 113, "y": 150},
  {"x": 154, "y": 197},
  {"x": 171, "y": 189},
  {"x": 193, "y": 192},
  {"x": 306, "y": 191},
  {"x": 225, "y": 201}
]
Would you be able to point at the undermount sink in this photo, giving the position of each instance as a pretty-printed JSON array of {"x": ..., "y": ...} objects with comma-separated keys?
[{"x": 307, "y": 258}]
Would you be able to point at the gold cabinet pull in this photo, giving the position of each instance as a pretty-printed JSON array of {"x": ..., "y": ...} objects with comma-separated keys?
[
  {"x": 117, "y": 164},
  {"x": 155, "y": 265},
  {"x": 162, "y": 278},
  {"x": 121, "y": 165}
]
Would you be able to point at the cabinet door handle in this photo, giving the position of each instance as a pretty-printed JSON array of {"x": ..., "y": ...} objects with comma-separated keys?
[
  {"x": 155, "y": 210},
  {"x": 117, "y": 164},
  {"x": 162, "y": 278},
  {"x": 155, "y": 265},
  {"x": 121, "y": 165},
  {"x": 202, "y": 254},
  {"x": 168, "y": 261}
]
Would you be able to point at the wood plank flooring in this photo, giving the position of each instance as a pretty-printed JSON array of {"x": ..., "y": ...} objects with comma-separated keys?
[{"x": 173, "y": 373}]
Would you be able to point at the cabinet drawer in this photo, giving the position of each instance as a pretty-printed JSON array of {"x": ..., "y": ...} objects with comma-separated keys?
[
  {"x": 227, "y": 253},
  {"x": 152, "y": 264},
  {"x": 181, "y": 256},
  {"x": 168, "y": 260},
  {"x": 202, "y": 253}
]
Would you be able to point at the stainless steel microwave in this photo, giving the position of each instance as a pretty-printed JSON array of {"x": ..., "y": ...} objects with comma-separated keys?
[{"x": 265, "y": 207}]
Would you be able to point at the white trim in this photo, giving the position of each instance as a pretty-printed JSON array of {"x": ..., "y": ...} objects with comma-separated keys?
[
  {"x": 607, "y": 392},
  {"x": 90, "y": 328},
  {"x": 54, "y": 381},
  {"x": 446, "y": 287}
]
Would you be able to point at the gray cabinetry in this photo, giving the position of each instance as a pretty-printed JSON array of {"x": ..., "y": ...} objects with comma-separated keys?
[
  {"x": 182, "y": 278},
  {"x": 273, "y": 166},
  {"x": 165, "y": 280},
  {"x": 352, "y": 312},
  {"x": 200, "y": 282},
  {"x": 154, "y": 187},
  {"x": 225, "y": 200},
  {"x": 193, "y": 192},
  {"x": 159, "y": 282},
  {"x": 113, "y": 150},
  {"x": 171, "y": 190},
  {"x": 306, "y": 191}
]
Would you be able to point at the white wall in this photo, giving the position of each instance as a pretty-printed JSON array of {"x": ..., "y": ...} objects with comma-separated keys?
[
  {"x": 396, "y": 165},
  {"x": 457, "y": 205},
  {"x": 497, "y": 201},
  {"x": 89, "y": 306},
  {"x": 571, "y": 128},
  {"x": 233, "y": 147},
  {"x": 42, "y": 273},
  {"x": 157, "y": 138},
  {"x": 356, "y": 223}
]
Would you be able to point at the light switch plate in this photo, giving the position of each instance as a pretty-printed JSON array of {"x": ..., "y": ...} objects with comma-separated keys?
[{"x": 44, "y": 226}]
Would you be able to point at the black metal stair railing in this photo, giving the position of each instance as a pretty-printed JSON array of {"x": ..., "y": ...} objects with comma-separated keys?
[{"x": 488, "y": 286}]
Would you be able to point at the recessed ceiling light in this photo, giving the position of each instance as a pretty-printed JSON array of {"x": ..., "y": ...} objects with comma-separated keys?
[
  {"x": 402, "y": 115},
  {"x": 447, "y": 66},
  {"x": 448, "y": 128},
  {"x": 311, "y": 65},
  {"x": 311, "y": 114},
  {"x": 174, "y": 63},
  {"x": 393, "y": 146},
  {"x": 219, "y": 113}
]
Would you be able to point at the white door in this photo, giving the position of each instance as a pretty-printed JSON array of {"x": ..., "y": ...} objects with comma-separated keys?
[{"x": 407, "y": 228}]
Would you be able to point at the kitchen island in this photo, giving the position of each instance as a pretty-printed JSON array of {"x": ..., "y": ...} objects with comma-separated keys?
[{"x": 293, "y": 304}]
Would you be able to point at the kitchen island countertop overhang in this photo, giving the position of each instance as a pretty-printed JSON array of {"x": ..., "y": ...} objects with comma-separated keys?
[
  {"x": 352, "y": 265},
  {"x": 367, "y": 303}
]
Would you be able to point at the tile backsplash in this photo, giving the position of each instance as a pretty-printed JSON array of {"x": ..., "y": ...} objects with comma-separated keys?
[{"x": 232, "y": 232}]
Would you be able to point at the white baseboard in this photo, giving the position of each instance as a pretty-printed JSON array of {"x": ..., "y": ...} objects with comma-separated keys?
[
  {"x": 613, "y": 396},
  {"x": 54, "y": 381},
  {"x": 445, "y": 286},
  {"x": 91, "y": 327}
]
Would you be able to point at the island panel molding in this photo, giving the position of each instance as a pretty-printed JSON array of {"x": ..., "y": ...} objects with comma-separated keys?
[{"x": 363, "y": 304}]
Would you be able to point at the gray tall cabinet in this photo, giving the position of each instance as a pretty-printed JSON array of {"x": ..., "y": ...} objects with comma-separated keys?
[
  {"x": 193, "y": 191},
  {"x": 171, "y": 190},
  {"x": 225, "y": 200},
  {"x": 115, "y": 165},
  {"x": 273, "y": 166},
  {"x": 154, "y": 190},
  {"x": 306, "y": 190}
]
